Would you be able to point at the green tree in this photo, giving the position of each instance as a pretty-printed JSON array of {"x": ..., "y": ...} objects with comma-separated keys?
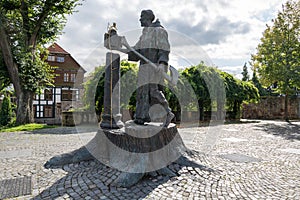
[
  {"x": 25, "y": 27},
  {"x": 208, "y": 86},
  {"x": 234, "y": 96},
  {"x": 261, "y": 90},
  {"x": 194, "y": 76},
  {"x": 245, "y": 73},
  {"x": 94, "y": 88},
  {"x": 6, "y": 111},
  {"x": 129, "y": 73},
  {"x": 4, "y": 76},
  {"x": 250, "y": 92},
  {"x": 237, "y": 92},
  {"x": 216, "y": 87},
  {"x": 278, "y": 54}
]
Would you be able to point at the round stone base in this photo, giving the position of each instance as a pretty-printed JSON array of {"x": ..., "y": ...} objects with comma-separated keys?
[{"x": 135, "y": 150}]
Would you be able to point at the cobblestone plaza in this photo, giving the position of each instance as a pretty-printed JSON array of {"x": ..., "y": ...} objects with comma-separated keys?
[{"x": 249, "y": 160}]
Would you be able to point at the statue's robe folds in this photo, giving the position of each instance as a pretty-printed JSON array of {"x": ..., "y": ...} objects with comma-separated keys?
[{"x": 154, "y": 45}]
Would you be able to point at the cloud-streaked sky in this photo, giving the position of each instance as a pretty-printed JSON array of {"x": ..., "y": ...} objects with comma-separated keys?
[{"x": 223, "y": 33}]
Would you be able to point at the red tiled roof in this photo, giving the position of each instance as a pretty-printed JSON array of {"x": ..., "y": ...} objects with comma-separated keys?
[{"x": 55, "y": 48}]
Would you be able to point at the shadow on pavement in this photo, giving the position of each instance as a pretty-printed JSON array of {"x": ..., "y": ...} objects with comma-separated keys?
[
  {"x": 64, "y": 130},
  {"x": 289, "y": 131},
  {"x": 92, "y": 180}
]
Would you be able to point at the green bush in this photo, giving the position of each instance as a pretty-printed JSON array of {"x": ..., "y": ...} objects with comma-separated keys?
[{"x": 5, "y": 112}]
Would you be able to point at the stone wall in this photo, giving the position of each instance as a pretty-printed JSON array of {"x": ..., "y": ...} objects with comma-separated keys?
[
  {"x": 77, "y": 118},
  {"x": 271, "y": 108}
]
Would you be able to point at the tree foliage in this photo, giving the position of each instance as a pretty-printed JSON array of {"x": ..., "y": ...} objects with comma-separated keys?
[
  {"x": 208, "y": 86},
  {"x": 195, "y": 77},
  {"x": 25, "y": 27},
  {"x": 208, "y": 82},
  {"x": 129, "y": 73},
  {"x": 237, "y": 92},
  {"x": 94, "y": 88},
  {"x": 4, "y": 76},
  {"x": 6, "y": 111},
  {"x": 245, "y": 73},
  {"x": 212, "y": 88},
  {"x": 278, "y": 55},
  {"x": 261, "y": 90}
]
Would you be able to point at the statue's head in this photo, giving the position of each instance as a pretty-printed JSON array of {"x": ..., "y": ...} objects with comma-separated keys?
[{"x": 147, "y": 18}]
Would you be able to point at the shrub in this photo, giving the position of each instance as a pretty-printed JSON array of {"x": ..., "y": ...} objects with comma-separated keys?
[{"x": 5, "y": 112}]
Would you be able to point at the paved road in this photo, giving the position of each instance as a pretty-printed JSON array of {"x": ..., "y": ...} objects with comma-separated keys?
[{"x": 257, "y": 160}]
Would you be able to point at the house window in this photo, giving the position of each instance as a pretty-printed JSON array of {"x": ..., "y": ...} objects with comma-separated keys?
[
  {"x": 51, "y": 58},
  {"x": 39, "y": 111},
  {"x": 48, "y": 95},
  {"x": 60, "y": 59},
  {"x": 66, "y": 95},
  {"x": 66, "y": 77},
  {"x": 76, "y": 95},
  {"x": 73, "y": 77},
  {"x": 48, "y": 111}
]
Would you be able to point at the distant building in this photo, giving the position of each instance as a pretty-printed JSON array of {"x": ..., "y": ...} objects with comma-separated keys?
[{"x": 49, "y": 105}]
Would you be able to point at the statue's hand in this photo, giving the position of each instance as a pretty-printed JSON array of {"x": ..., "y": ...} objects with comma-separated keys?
[
  {"x": 161, "y": 68},
  {"x": 124, "y": 41}
]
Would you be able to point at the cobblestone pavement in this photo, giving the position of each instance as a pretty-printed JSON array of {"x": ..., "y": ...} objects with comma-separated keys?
[{"x": 253, "y": 160}]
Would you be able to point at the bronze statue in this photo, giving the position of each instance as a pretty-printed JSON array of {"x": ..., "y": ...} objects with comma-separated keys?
[
  {"x": 152, "y": 48},
  {"x": 136, "y": 150}
]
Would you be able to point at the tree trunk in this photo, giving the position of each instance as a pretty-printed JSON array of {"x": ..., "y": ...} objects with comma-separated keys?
[
  {"x": 201, "y": 110},
  {"x": 24, "y": 107},
  {"x": 286, "y": 109},
  {"x": 235, "y": 110},
  {"x": 24, "y": 97},
  {"x": 220, "y": 107}
]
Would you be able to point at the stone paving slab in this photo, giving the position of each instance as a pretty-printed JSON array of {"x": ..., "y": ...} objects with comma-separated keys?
[
  {"x": 15, "y": 153},
  {"x": 236, "y": 157},
  {"x": 15, "y": 187},
  {"x": 277, "y": 176}
]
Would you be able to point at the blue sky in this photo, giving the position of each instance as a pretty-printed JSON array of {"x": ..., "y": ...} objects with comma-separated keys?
[{"x": 223, "y": 33}]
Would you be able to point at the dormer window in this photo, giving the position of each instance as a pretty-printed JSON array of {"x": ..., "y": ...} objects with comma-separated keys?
[
  {"x": 60, "y": 59},
  {"x": 51, "y": 58}
]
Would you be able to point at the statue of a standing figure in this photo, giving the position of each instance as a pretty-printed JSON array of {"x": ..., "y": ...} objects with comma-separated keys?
[
  {"x": 121, "y": 149},
  {"x": 154, "y": 46}
]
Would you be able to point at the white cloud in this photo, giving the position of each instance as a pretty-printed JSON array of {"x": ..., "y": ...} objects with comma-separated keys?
[{"x": 228, "y": 31}]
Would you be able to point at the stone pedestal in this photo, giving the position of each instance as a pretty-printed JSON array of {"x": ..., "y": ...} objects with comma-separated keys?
[
  {"x": 111, "y": 116},
  {"x": 139, "y": 150},
  {"x": 134, "y": 150}
]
